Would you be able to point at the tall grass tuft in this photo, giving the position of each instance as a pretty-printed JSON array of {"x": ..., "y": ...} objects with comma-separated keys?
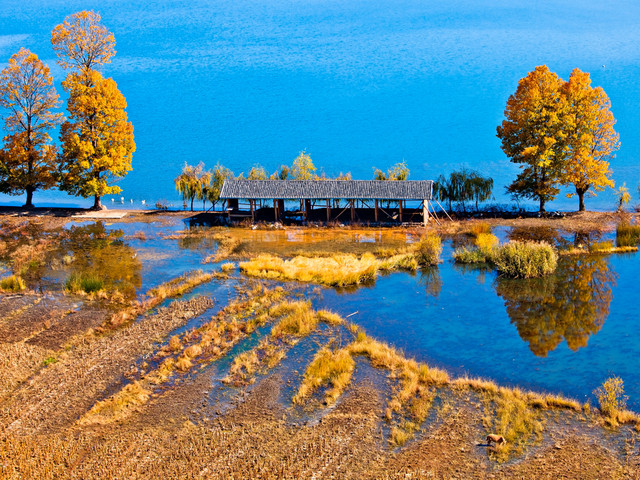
[
  {"x": 525, "y": 259},
  {"x": 470, "y": 255},
  {"x": 428, "y": 249},
  {"x": 627, "y": 235},
  {"x": 611, "y": 398},
  {"x": 87, "y": 283},
  {"x": 480, "y": 228},
  {"x": 337, "y": 270},
  {"x": 14, "y": 283},
  {"x": 328, "y": 367}
]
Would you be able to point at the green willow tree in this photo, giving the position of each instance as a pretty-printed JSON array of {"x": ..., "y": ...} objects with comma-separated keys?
[
  {"x": 28, "y": 160},
  {"x": 463, "y": 186},
  {"x": 193, "y": 182}
]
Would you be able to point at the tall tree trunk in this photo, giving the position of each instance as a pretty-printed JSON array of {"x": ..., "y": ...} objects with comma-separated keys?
[
  {"x": 192, "y": 198},
  {"x": 581, "y": 192},
  {"x": 29, "y": 203},
  {"x": 97, "y": 204},
  {"x": 542, "y": 201}
]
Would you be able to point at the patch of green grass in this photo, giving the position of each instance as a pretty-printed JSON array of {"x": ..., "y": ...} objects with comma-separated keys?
[
  {"x": 82, "y": 282},
  {"x": 49, "y": 361},
  {"x": 470, "y": 255}
]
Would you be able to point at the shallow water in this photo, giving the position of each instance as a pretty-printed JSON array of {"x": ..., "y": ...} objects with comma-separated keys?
[{"x": 358, "y": 84}]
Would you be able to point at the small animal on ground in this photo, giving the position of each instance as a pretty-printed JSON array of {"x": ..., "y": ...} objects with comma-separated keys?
[{"x": 497, "y": 439}]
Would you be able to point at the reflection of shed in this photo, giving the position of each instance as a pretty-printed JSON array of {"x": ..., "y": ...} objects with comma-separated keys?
[{"x": 364, "y": 199}]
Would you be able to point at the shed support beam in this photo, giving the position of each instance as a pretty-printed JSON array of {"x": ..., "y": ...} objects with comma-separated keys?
[
  {"x": 400, "y": 210},
  {"x": 275, "y": 210},
  {"x": 425, "y": 212},
  {"x": 353, "y": 212},
  {"x": 253, "y": 216},
  {"x": 328, "y": 210},
  {"x": 376, "y": 210}
]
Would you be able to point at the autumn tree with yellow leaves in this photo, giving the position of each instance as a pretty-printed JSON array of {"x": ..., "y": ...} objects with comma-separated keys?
[
  {"x": 561, "y": 133},
  {"x": 28, "y": 159},
  {"x": 591, "y": 139},
  {"x": 533, "y": 135},
  {"x": 97, "y": 138}
]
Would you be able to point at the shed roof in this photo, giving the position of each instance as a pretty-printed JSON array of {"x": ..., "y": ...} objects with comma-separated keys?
[{"x": 329, "y": 189}]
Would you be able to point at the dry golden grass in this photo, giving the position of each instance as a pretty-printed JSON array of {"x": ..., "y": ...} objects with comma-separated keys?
[
  {"x": 298, "y": 319},
  {"x": 117, "y": 407},
  {"x": 328, "y": 367},
  {"x": 337, "y": 270},
  {"x": 12, "y": 284}
]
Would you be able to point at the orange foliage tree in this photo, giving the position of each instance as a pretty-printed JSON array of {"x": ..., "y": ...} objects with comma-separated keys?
[
  {"x": 591, "y": 139},
  {"x": 533, "y": 135},
  {"x": 561, "y": 133},
  {"x": 28, "y": 160},
  {"x": 97, "y": 139}
]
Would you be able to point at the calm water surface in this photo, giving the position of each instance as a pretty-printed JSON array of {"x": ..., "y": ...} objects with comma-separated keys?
[{"x": 356, "y": 83}]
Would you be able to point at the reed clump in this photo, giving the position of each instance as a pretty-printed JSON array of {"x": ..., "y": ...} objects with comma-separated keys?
[
  {"x": 117, "y": 407},
  {"x": 338, "y": 270},
  {"x": 627, "y": 235},
  {"x": 328, "y": 367},
  {"x": 84, "y": 283},
  {"x": 467, "y": 255},
  {"x": 525, "y": 259},
  {"x": 428, "y": 249},
  {"x": 14, "y": 283}
]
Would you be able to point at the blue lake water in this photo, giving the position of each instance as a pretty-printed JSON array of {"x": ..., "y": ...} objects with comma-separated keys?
[{"x": 357, "y": 84}]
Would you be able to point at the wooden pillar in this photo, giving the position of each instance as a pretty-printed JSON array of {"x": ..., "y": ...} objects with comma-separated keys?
[
  {"x": 328, "y": 210},
  {"x": 275, "y": 210},
  {"x": 376, "y": 210},
  {"x": 307, "y": 208},
  {"x": 253, "y": 216},
  {"x": 353, "y": 212},
  {"x": 400, "y": 209},
  {"x": 425, "y": 212}
]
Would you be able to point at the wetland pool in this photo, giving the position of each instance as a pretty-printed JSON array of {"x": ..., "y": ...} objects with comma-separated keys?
[{"x": 565, "y": 333}]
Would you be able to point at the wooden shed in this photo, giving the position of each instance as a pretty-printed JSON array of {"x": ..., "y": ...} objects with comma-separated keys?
[{"x": 332, "y": 196}]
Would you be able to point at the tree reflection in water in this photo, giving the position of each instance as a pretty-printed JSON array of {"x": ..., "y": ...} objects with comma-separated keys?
[
  {"x": 94, "y": 251},
  {"x": 572, "y": 304},
  {"x": 430, "y": 278}
]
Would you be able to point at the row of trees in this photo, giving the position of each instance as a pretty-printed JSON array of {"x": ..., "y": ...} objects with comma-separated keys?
[
  {"x": 96, "y": 139},
  {"x": 196, "y": 183},
  {"x": 561, "y": 134},
  {"x": 463, "y": 186}
]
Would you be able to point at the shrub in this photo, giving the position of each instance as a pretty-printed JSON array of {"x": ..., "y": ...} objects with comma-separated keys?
[
  {"x": 79, "y": 282},
  {"x": 479, "y": 228},
  {"x": 12, "y": 284},
  {"x": 525, "y": 259},
  {"x": 627, "y": 235},
  {"x": 599, "y": 247},
  {"x": 611, "y": 398},
  {"x": 472, "y": 255},
  {"x": 486, "y": 241},
  {"x": 428, "y": 249}
]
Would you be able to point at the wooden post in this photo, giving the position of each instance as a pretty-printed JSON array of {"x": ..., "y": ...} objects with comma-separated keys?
[
  {"x": 353, "y": 212},
  {"x": 253, "y": 217},
  {"x": 307, "y": 208},
  {"x": 328, "y": 210},
  {"x": 400, "y": 205},
  {"x": 275, "y": 210},
  {"x": 376, "y": 210},
  {"x": 425, "y": 212}
]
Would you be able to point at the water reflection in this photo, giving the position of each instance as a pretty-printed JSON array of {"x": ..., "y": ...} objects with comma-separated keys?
[
  {"x": 93, "y": 251},
  {"x": 572, "y": 304},
  {"x": 430, "y": 278}
]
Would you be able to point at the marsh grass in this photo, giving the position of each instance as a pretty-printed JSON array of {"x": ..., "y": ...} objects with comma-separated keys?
[
  {"x": 328, "y": 367},
  {"x": 84, "y": 283},
  {"x": 14, "y": 283},
  {"x": 117, "y": 407},
  {"x": 525, "y": 259},
  {"x": 428, "y": 249},
  {"x": 339, "y": 270},
  {"x": 468, "y": 256},
  {"x": 627, "y": 235}
]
